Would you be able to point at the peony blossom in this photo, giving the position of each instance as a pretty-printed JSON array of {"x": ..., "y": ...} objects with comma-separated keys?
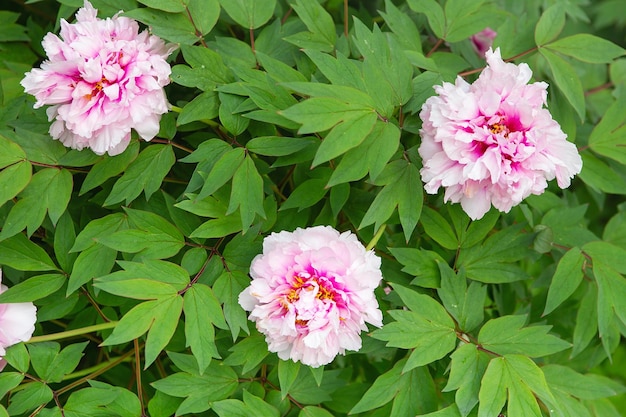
[
  {"x": 482, "y": 41},
  {"x": 102, "y": 78},
  {"x": 493, "y": 142},
  {"x": 312, "y": 293},
  {"x": 17, "y": 323}
]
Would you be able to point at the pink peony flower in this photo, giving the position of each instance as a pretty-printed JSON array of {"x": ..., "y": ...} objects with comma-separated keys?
[
  {"x": 312, "y": 292},
  {"x": 17, "y": 323},
  {"x": 492, "y": 142},
  {"x": 483, "y": 40},
  {"x": 102, "y": 78}
]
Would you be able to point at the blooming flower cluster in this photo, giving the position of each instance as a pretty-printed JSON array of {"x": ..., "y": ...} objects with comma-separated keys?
[
  {"x": 17, "y": 323},
  {"x": 102, "y": 78},
  {"x": 493, "y": 142},
  {"x": 312, "y": 293}
]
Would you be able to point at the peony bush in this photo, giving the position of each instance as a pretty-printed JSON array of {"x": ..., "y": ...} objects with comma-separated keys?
[{"x": 305, "y": 208}]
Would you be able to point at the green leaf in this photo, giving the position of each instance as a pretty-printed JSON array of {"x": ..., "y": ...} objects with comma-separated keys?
[
  {"x": 164, "y": 239},
  {"x": 587, "y": 48},
  {"x": 321, "y": 34},
  {"x": 227, "y": 289},
  {"x": 8, "y": 381},
  {"x": 157, "y": 317},
  {"x": 410, "y": 392},
  {"x": 308, "y": 193},
  {"x": 405, "y": 192},
  {"x": 611, "y": 290},
  {"x": 145, "y": 173},
  {"x": 202, "y": 309},
  {"x": 550, "y": 24},
  {"x": 466, "y": 371},
  {"x": 318, "y": 114},
  {"x": 463, "y": 20},
  {"x": 434, "y": 13},
  {"x": 277, "y": 145},
  {"x": 494, "y": 261},
  {"x": 94, "y": 262},
  {"x": 287, "y": 374},
  {"x": 247, "y": 193},
  {"x": 130, "y": 286},
  {"x": 249, "y": 14},
  {"x": 438, "y": 229},
  {"x": 420, "y": 263},
  {"x": 64, "y": 238},
  {"x": 172, "y": 6},
  {"x": 135, "y": 323},
  {"x": 607, "y": 254},
  {"x": 340, "y": 71},
  {"x": 17, "y": 356},
  {"x": 429, "y": 340},
  {"x": 567, "y": 277},
  {"x": 587, "y": 387},
  {"x": 97, "y": 228},
  {"x": 175, "y": 27},
  {"x": 312, "y": 411},
  {"x": 249, "y": 352},
  {"x": 205, "y": 14},
  {"x": 223, "y": 170},
  {"x": 20, "y": 253},
  {"x": 109, "y": 167},
  {"x": 506, "y": 335},
  {"x": 11, "y": 152},
  {"x": 376, "y": 150},
  {"x": 205, "y": 106},
  {"x": 218, "y": 382},
  {"x": 451, "y": 411},
  {"x": 567, "y": 80},
  {"x": 586, "y": 320},
  {"x": 386, "y": 70},
  {"x": 410, "y": 201},
  {"x": 155, "y": 270},
  {"x": 217, "y": 228},
  {"x": 607, "y": 137},
  {"x": 51, "y": 363},
  {"x": 234, "y": 122},
  {"x": 34, "y": 288},
  {"x": 14, "y": 179},
  {"x": 601, "y": 176},
  {"x": 427, "y": 329},
  {"x": 49, "y": 190},
  {"x": 102, "y": 399},
  {"x": 32, "y": 396},
  {"x": 465, "y": 304},
  {"x": 402, "y": 25},
  {"x": 166, "y": 317}
]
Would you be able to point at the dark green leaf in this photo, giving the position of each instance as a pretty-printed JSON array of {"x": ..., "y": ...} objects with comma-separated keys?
[
  {"x": 567, "y": 80},
  {"x": 505, "y": 335},
  {"x": 247, "y": 193},
  {"x": 550, "y": 24},
  {"x": 33, "y": 288},
  {"x": 20, "y": 253},
  {"x": 566, "y": 279},
  {"x": 109, "y": 167},
  {"x": 250, "y": 14},
  {"x": 144, "y": 174},
  {"x": 587, "y": 48},
  {"x": 14, "y": 179}
]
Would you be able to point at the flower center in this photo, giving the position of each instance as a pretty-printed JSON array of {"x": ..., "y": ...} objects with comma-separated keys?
[
  {"x": 498, "y": 128},
  {"x": 97, "y": 88},
  {"x": 308, "y": 295}
]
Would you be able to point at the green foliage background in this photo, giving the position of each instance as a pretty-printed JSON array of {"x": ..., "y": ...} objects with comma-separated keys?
[{"x": 296, "y": 113}]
